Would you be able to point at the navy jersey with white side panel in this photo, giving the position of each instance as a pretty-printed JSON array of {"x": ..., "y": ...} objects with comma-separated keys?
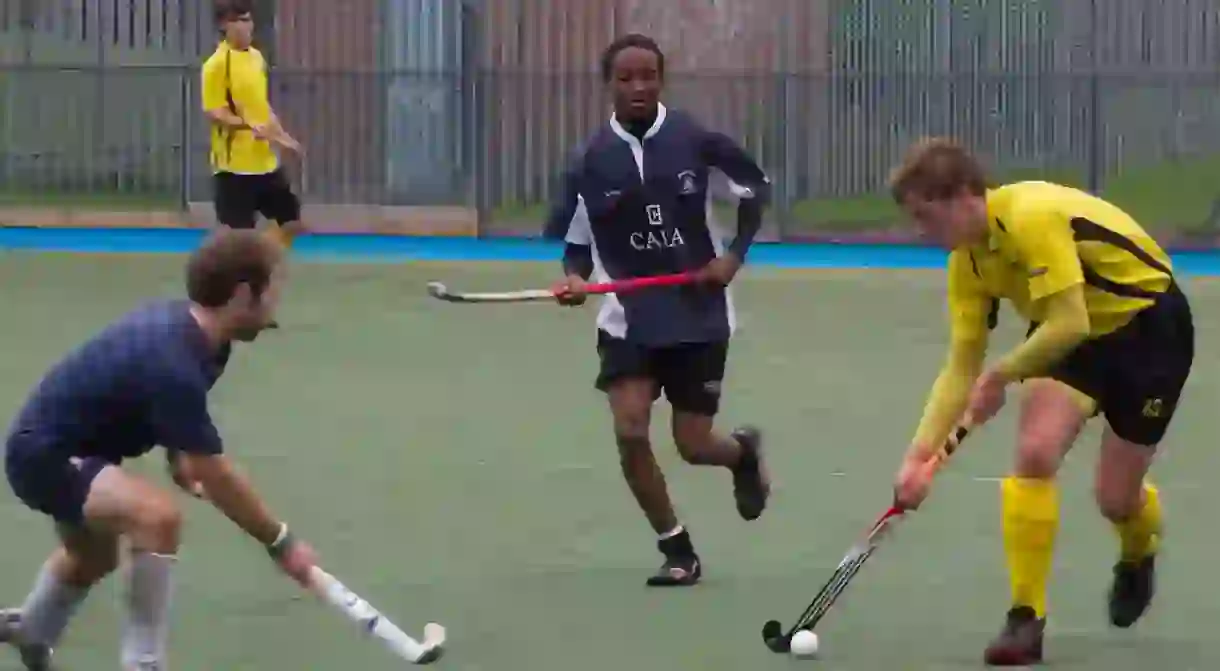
[
  {"x": 141, "y": 382},
  {"x": 643, "y": 209}
]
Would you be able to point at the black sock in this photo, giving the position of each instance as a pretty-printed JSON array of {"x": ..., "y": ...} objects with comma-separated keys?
[{"x": 678, "y": 546}]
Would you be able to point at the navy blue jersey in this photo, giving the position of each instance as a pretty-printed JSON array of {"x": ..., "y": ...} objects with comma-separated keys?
[
  {"x": 642, "y": 206},
  {"x": 142, "y": 381}
]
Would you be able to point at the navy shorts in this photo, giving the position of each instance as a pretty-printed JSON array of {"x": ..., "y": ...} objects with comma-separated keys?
[{"x": 48, "y": 480}]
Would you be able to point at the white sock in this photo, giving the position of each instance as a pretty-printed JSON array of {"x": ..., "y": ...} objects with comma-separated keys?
[
  {"x": 49, "y": 607},
  {"x": 146, "y": 628},
  {"x": 672, "y": 532}
]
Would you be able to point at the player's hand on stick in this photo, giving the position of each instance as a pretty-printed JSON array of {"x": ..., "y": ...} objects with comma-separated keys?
[
  {"x": 571, "y": 291},
  {"x": 721, "y": 271},
  {"x": 914, "y": 480},
  {"x": 294, "y": 557},
  {"x": 987, "y": 397},
  {"x": 289, "y": 143},
  {"x": 262, "y": 131},
  {"x": 919, "y": 466},
  {"x": 273, "y": 133}
]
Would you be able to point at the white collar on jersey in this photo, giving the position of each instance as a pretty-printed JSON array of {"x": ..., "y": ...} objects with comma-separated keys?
[{"x": 631, "y": 139}]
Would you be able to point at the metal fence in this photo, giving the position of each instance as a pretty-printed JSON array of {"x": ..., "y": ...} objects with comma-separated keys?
[{"x": 477, "y": 103}]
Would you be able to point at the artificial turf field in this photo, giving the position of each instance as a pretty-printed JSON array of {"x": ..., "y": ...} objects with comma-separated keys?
[{"x": 453, "y": 463}]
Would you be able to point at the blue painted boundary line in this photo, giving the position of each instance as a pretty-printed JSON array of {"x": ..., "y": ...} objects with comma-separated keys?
[{"x": 379, "y": 248}]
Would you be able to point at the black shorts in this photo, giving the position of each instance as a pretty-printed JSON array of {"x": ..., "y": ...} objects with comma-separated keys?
[
  {"x": 239, "y": 199},
  {"x": 690, "y": 374},
  {"x": 1136, "y": 373}
]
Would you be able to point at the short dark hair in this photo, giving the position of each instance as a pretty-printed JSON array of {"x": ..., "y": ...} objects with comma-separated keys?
[
  {"x": 227, "y": 10},
  {"x": 228, "y": 259},
  {"x": 937, "y": 168},
  {"x": 630, "y": 41}
]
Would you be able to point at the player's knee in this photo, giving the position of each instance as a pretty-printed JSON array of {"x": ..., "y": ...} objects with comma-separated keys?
[
  {"x": 1119, "y": 481},
  {"x": 1038, "y": 454},
  {"x": 157, "y": 526},
  {"x": 691, "y": 451},
  {"x": 631, "y": 429},
  {"x": 1051, "y": 416},
  {"x": 693, "y": 442},
  {"x": 1041, "y": 446},
  {"x": 1116, "y": 503}
]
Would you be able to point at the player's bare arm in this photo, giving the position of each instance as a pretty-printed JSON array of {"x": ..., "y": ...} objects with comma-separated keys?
[
  {"x": 231, "y": 492},
  {"x": 281, "y": 136}
]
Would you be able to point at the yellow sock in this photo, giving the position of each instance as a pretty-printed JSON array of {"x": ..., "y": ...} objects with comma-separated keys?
[
  {"x": 1031, "y": 519},
  {"x": 1140, "y": 535}
]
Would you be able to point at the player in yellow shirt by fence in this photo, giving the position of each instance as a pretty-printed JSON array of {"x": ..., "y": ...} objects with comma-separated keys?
[
  {"x": 247, "y": 177},
  {"x": 1111, "y": 333}
]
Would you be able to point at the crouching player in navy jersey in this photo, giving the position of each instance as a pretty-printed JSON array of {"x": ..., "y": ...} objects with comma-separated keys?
[
  {"x": 141, "y": 382},
  {"x": 635, "y": 204}
]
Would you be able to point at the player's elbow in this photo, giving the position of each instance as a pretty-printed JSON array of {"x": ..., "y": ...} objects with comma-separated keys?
[
  {"x": 1072, "y": 325},
  {"x": 762, "y": 192},
  {"x": 1071, "y": 336},
  {"x": 966, "y": 357},
  {"x": 1076, "y": 330},
  {"x": 755, "y": 194}
]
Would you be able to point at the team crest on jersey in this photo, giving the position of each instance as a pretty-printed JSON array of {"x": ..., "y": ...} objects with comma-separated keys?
[
  {"x": 686, "y": 181},
  {"x": 654, "y": 215}
]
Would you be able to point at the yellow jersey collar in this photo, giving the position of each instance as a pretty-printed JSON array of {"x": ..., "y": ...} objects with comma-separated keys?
[{"x": 225, "y": 46}]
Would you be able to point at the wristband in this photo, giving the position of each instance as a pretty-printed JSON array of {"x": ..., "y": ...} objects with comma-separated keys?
[{"x": 282, "y": 540}]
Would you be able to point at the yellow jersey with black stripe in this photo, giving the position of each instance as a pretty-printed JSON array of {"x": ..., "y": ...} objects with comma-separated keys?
[
  {"x": 1045, "y": 238},
  {"x": 237, "y": 79}
]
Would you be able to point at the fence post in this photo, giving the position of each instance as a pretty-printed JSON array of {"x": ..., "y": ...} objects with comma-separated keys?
[
  {"x": 1095, "y": 121},
  {"x": 186, "y": 171}
]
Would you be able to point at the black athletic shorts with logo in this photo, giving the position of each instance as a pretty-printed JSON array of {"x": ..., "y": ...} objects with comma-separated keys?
[
  {"x": 239, "y": 199},
  {"x": 690, "y": 374},
  {"x": 1136, "y": 374}
]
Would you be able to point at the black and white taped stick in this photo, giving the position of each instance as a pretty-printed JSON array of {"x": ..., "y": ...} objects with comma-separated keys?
[
  {"x": 778, "y": 640},
  {"x": 377, "y": 625}
]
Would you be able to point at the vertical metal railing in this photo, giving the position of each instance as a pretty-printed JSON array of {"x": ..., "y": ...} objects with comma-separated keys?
[{"x": 478, "y": 102}]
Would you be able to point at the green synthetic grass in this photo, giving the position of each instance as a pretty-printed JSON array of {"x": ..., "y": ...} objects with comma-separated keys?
[{"x": 454, "y": 463}]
